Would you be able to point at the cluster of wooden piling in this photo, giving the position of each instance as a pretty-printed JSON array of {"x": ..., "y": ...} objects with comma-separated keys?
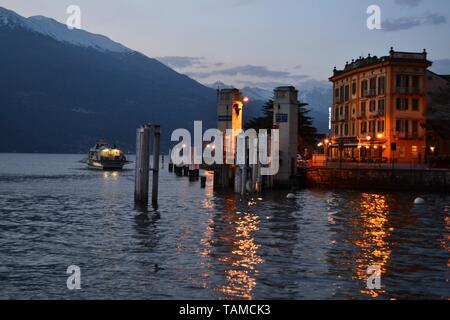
[{"x": 192, "y": 171}]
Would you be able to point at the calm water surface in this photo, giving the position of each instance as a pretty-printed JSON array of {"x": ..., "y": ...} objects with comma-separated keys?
[{"x": 209, "y": 245}]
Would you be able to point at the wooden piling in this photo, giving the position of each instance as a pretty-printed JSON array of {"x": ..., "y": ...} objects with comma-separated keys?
[
  {"x": 170, "y": 161},
  {"x": 147, "y": 138},
  {"x": 156, "y": 150},
  {"x": 142, "y": 164},
  {"x": 203, "y": 182},
  {"x": 238, "y": 179}
]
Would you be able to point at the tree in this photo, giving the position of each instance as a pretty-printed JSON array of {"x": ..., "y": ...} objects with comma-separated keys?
[
  {"x": 306, "y": 131},
  {"x": 265, "y": 121}
]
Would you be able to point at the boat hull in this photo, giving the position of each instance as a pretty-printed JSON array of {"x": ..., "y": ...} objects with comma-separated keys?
[{"x": 106, "y": 165}]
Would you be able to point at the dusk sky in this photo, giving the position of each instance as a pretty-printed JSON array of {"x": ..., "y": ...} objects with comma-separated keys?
[{"x": 259, "y": 42}]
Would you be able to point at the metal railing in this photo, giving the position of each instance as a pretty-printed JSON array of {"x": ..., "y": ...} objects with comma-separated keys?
[
  {"x": 408, "y": 90},
  {"x": 370, "y": 93}
]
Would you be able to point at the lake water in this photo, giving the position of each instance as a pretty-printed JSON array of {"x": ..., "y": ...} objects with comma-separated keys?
[{"x": 210, "y": 245}]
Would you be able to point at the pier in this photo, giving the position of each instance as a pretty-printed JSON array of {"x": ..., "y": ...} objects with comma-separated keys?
[{"x": 383, "y": 178}]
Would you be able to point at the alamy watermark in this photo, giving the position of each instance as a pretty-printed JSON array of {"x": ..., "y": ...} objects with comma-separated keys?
[
  {"x": 74, "y": 19},
  {"x": 374, "y": 279},
  {"x": 234, "y": 143},
  {"x": 374, "y": 19},
  {"x": 74, "y": 280}
]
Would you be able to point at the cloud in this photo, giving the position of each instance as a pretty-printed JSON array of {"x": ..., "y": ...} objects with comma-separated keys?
[
  {"x": 441, "y": 66},
  {"x": 268, "y": 85},
  {"x": 180, "y": 62},
  {"x": 248, "y": 70},
  {"x": 406, "y": 23},
  {"x": 408, "y": 3}
]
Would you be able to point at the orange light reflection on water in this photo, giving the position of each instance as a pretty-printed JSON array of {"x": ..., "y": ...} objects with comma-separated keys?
[
  {"x": 372, "y": 238},
  {"x": 241, "y": 277},
  {"x": 233, "y": 236}
]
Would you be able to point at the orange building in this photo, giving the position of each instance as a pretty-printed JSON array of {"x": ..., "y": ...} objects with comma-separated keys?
[{"x": 378, "y": 112}]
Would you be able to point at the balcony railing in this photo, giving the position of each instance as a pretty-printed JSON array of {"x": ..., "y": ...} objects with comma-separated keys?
[
  {"x": 361, "y": 115},
  {"x": 370, "y": 93},
  {"x": 409, "y": 136},
  {"x": 408, "y": 90},
  {"x": 417, "y": 91}
]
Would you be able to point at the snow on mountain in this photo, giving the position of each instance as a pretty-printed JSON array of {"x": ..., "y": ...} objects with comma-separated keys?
[
  {"x": 8, "y": 17},
  {"x": 219, "y": 85},
  {"x": 252, "y": 92},
  {"x": 257, "y": 93},
  {"x": 60, "y": 32}
]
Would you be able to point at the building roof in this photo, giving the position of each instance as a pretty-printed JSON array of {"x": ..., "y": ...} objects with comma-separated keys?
[
  {"x": 286, "y": 88},
  {"x": 228, "y": 90},
  {"x": 394, "y": 56},
  {"x": 442, "y": 76}
]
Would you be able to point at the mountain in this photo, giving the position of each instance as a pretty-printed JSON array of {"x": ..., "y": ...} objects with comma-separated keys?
[
  {"x": 319, "y": 99},
  {"x": 62, "y": 89},
  {"x": 219, "y": 85},
  {"x": 258, "y": 93},
  {"x": 60, "y": 32}
]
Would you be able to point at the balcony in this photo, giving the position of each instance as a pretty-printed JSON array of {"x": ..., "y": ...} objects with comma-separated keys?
[
  {"x": 370, "y": 93},
  {"x": 338, "y": 100},
  {"x": 361, "y": 115},
  {"x": 409, "y": 136},
  {"x": 380, "y": 113},
  {"x": 417, "y": 91},
  {"x": 407, "y": 90}
]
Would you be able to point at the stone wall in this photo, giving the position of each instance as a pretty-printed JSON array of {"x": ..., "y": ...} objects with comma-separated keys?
[{"x": 382, "y": 179}]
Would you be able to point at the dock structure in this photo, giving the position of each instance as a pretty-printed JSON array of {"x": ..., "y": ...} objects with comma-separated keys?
[
  {"x": 285, "y": 118},
  {"x": 229, "y": 117},
  {"x": 244, "y": 175},
  {"x": 148, "y": 139}
]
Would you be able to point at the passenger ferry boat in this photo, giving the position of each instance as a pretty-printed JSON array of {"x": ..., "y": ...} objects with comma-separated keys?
[{"x": 106, "y": 157}]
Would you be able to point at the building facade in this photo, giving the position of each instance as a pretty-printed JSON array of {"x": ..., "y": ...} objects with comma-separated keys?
[{"x": 379, "y": 106}]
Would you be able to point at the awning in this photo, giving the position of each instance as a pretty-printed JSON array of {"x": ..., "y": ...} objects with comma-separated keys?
[{"x": 345, "y": 145}]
